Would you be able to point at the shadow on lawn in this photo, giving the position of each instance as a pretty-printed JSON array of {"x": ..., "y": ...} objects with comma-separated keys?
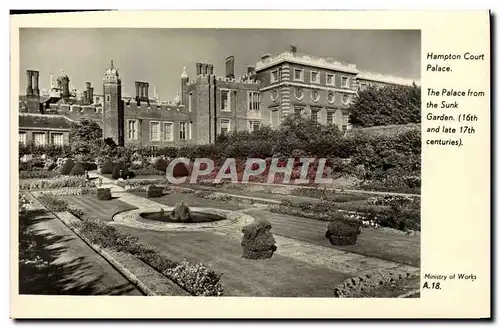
[{"x": 62, "y": 275}]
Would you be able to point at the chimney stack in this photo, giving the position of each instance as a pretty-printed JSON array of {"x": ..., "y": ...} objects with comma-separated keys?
[
  {"x": 210, "y": 69},
  {"x": 198, "y": 68},
  {"x": 137, "y": 87},
  {"x": 230, "y": 67},
  {"x": 29, "y": 83},
  {"x": 85, "y": 97},
  {"x": 250, "y": 69},
  {"x": 203, "y": 69},
  {"x": 36, "y": 91},
  {"x": 91, "y": 95}
]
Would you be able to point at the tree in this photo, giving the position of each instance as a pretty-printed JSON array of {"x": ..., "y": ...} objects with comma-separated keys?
[
  {"x": 86, "y": 139},
  {"x": 395, "y": 104}
]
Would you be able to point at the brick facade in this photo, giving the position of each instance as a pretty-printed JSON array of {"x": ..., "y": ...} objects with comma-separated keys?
[{"x": 286, "y": 84}]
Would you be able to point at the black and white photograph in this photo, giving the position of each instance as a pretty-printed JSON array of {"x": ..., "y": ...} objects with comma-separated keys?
[{"x": 219, "y": 162}]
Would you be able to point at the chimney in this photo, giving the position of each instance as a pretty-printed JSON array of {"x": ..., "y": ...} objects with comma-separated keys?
[
  {"x": 250, "y": 69},
  {"x": 198, "y": 68},
  {"x": 65, "y": 87},
  {"x": 210, "y": 69},
  {"x": 91, "y": 95},
  {"x": 36, "y": 91},
  {"x": 230, "y": 67},
  {"x": 137, "y": 86},
  {"x": 292, "y": 49},
  {"x": 85, "y": 97},
  {"x": 204, "y": 69},
  {"x": 29, "y": 83},
  {"x": 146, "y": 91}
]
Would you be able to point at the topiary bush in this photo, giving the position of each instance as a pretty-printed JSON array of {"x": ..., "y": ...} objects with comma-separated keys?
[
  {"x": 125, "y": 173},
  {"x": 67, "y": 166},
  {"x": 107, "y": 167},
  {"x": 104, "y": 193},
  {"x": 78, "y": 169},
  {"x": 343, "y": 231},
  {"x": 258, "y": 241},
  {"x": 161, "y": 164}
]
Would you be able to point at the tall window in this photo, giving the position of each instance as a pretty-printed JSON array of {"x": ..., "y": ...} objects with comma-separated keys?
[
  {"x": 298, "y": 74},
  {"x": 253, "y": 100},
  {"x": 154, "y": 131},
  {"x": 22, "y": 138},
  {"x": 330, "y": 118},
  {"x": 182, "y": 130},
  {"x": 39, "y": 138},
  {"x": 190, "y": 101},
  {"x": 314, "y": 77},
  {"x": 330, "y": 79},
  {"x": 108, "y": 98},
  {"x": 253, "y": 125},
  {"x": 314, "y": 115},
  {"x": 225, "y": 101},
  {"x": 56, "y": 139},
  {"x": 274, "y": 76},
  {"x": 132, "y": 129},
  {"x": 168, "y": 131},
  {"x": 225, "y": 125},
  {"x": 344, "y": 82}
]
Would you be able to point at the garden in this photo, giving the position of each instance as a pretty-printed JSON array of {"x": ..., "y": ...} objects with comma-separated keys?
[{"x": 358, "y": 236}]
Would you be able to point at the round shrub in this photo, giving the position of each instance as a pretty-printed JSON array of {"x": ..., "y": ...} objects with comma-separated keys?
[
  {"x": 180, "y": 170},
  {"x": 343, "y": 231},
  {"x": 125, "y": 173},
  {"x": 78, "y": 169},
  {"x": 258, "y": 241},
  {"x": 161, "y": 164},
  {"x": 107, "y": 167},
  {"x": 67, "y": 166}
]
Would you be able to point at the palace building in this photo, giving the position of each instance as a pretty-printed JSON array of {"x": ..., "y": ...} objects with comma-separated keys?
[{"x": 205, "y": 107}]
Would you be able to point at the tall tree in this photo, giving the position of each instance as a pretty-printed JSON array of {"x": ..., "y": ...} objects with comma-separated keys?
[{"x": 385, "y": 106}]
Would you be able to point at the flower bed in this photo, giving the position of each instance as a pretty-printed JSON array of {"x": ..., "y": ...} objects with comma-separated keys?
[
  {"x": 197, "y": 279},
  {"x": 71, "y": 191},
  {"x": 37, "y": 174},
  {"x": 57, "y": 183},
  {"x": 140, "y": 183},
  {"x": 404, "y": 219}
]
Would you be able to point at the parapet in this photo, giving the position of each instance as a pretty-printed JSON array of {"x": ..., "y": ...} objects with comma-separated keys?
[{"x": 391, "y": 79}]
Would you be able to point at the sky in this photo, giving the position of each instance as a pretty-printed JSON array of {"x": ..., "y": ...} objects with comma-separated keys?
[{"x": 157, "y": 56}]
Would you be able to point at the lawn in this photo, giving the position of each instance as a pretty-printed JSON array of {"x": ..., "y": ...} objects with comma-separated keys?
[
  {"x": 277, "y": 277},
  {"x": 100, "y": 209},
  {"x": 381, "y": 244}
]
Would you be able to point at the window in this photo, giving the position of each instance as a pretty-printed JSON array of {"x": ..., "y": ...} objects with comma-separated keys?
[
  {"x": 330, "y": 117},
  {"x": 182, "y": 130},
  {"x": 154, "y": 131},
  {"x": 108, "y": 98},
  {"x": 314, "y": 77},
  {"x": 315, "y": 96},
  {"x": 314, "y": 115},
  {"x": 39, "y": 138},
  {"x": 330, "y": 97},
  {"x": 190, "y": 101},
  {"x": 274, "y": 76},
  {"x": 330, "y": 79},
  {"x": 362, "y": 86},
  {"x": 345, "y": 118},
  {"x": 168, "y": 131},
  {"x": 225, "y": 125},
  {"x": 298, "y": 112},
  {"x": 225, "y": 101},
  {"x": 254, "y": 125},
  {"x": 298, "y": 74},
  {"x": 132, "y": 129},
  {"x": 299, "y": 94},
  {"x": 56, "y": 139},
  {"x": 344, "y": 82},
  {"x": 253, "y": 100},
  {"x": 22, "y": 138}
]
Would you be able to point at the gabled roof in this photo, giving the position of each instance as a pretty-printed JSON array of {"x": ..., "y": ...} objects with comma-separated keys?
[{"x": 44, "y": 121}]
